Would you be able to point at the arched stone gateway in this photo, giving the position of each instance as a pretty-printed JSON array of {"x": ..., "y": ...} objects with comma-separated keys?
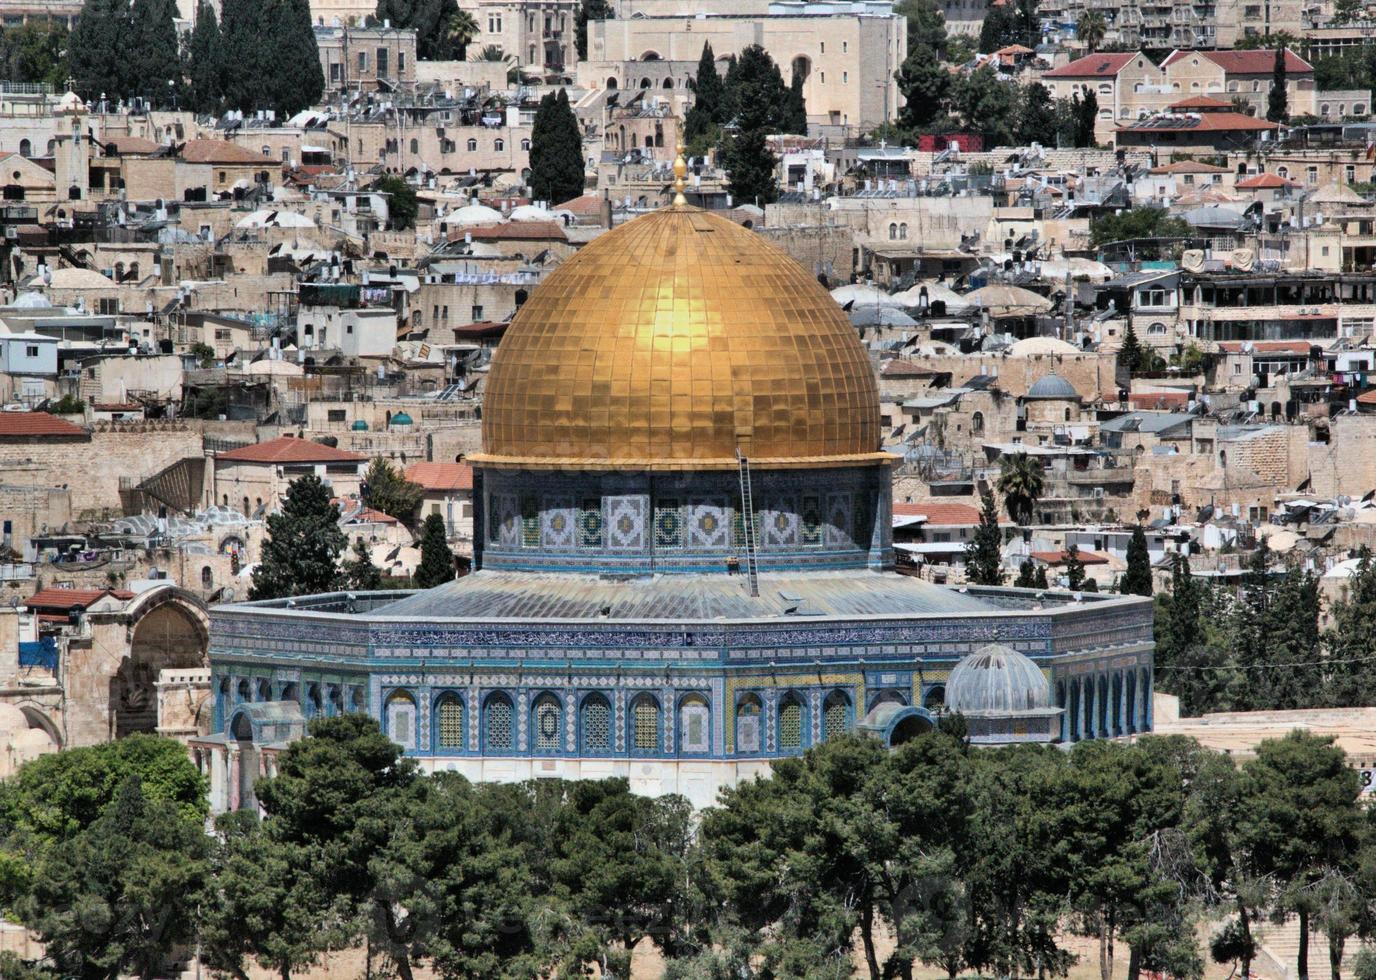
[
  {"x": 168, "y": 630},
  {"x": 893, "y": 723}
]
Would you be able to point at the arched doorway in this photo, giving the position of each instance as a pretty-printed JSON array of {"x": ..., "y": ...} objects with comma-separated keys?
[{"x": 170, "y": 635}]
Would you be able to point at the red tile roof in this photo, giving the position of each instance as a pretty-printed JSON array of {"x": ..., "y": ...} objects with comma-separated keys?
[
  {"x": 1259, "y": 61},
  {"x": 370, "y": 516},
  {"x": 519, "y": 230},
  {"x": 441, "y": 476},
  {"x": 49, "y": 599},
  {"x": 1094, "y": 66},
  {"x": 940, "y": 515},
  {"x": 588, "y": 204},
  {"x": 36, "y": 424},
  {"x": 1263, "y": 182},
  {"x": 1060, "y": 557},
  {"x": 1367, "y": 397},
  {"x": 1201, "y": 102},
  {"x": 1205, "y": 123},
  {"x": 126, "y": 145},
  {"x": 286, "y": 449},
  {"x": 221, "y": 151}
]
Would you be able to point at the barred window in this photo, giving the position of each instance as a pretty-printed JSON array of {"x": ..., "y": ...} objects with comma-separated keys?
[
  {"x": 645, "y": 715},
  {"x": 530, "y": 522},
  {"x": 812, "y": 520},
  {"x": 597, "y": 724},
  {"x": 450, "y": 715},
  {"x": 834, "y": 715},
  {"x": 590, "y": 523},
  {"x": 497, "y": 717},
  {"x": 791, "y": 724},
  {"x": 547, "y": 718}
]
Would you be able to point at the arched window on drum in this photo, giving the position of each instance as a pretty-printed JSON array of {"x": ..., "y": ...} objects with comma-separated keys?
[
  {"x": 449, "y": 723},
  {"x": 749, "y": 712},
  {"x": 694, "y": 725},
  {"x": 401, "y": 719},
  {"x": 547, "y": 717}
]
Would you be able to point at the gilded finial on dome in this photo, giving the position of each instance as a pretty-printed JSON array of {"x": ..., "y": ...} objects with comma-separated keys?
[{"x": 680, "y": 176}]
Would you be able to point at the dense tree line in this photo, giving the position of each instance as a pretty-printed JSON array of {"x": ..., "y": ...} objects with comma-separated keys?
[
  {"x": 443, "y": 31},
  {"x": 260, "y": 54},
  {"x": 1004, "y": 113},
  {"x": 1261, "y": 645},
  {"x": 957, "y": 859},
  {"x": 737, "y": 113},
  {"x": 34, "y": 52}
]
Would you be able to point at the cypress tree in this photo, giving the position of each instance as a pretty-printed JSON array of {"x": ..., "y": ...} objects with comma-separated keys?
[
  {"x": 797, "y": 107},
  {"x": 301, "y": 553},
  {"x": 556, "y": 151},
  {"x": 1027, "y": 576},
  {"x": 1137, "y": 578},
  {"x": 242, "y": 56},
  {"x": 436, "y": 560},
  {"x": 1074, "y": 568},
  {"x": 205, "y": 68},
  {"x": 984, "y": 552},
  {"x": 1278, "y": 100},
  {"x": 359, "y": 571},
  {"x": 154, "y": 55},
  {"x": 1130, "y": 354},
  {"x": 98, "y": 50},
  {"x": 750, "y": 165},
  {"x": 708, "y": 89},
  {"x": 296, "y": 79}
]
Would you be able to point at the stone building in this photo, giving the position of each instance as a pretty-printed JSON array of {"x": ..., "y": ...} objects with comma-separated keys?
[
  {"x": 847, "y": 52},
  {"x": 684, "y": 558}
]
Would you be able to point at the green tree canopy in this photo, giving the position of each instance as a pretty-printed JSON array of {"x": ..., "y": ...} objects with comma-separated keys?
[
  {"x": 1137, "y": 579},
  {"x": 984, "y": 552},
  {"x": 432, "y": 20},
  {"x": 556, "y": 151},
  {"x": 402, "y": 207},
  {"x": 1278, "y": 99},
  {"x": 589, "y": 10},
  {"x": 387, "y": 489},
  {"x": 924, "y": 83},
  {"x": 1137, "y": 223},
  {"x": 1020, "y": 484},
  {"x": 204, "y": 66},
  {"x": 301, "y": 553},
  {"x": 436, "y": 560}
]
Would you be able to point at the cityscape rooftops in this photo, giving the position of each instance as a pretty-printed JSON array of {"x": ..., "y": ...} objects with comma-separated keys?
[{"x": 287, "y": 449}]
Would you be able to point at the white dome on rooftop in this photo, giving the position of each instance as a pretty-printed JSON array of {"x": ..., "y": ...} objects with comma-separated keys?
[{"x": 474, "y": 215}]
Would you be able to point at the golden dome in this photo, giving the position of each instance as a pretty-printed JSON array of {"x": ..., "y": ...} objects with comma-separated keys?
[{"x": 672, "y": 341}]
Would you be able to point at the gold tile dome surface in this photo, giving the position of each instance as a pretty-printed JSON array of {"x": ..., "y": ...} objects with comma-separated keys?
[{"x": 668, "y": 343}]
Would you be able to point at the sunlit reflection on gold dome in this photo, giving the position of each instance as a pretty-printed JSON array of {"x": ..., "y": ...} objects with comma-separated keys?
[{"x": 669, "y": 343}]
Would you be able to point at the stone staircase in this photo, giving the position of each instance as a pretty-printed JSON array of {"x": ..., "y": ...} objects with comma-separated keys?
[
  {"x": 1280, "y": 945},
  {"x": 178, "y": 487}
]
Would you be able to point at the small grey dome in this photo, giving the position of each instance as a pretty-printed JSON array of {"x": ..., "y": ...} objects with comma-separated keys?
[
  {"x": 1053, "y": 387},
  {"x": 997, "y": 680}
]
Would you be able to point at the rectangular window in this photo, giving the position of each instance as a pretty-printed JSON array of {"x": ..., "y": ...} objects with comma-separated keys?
[
  {"x": 381, "y": 61},
  {"x": 336, "y": 415},
  {"x": 812, "y": 520},
  {"x": 401, "y": 62},
  {"x": 31, "y": 350},
  {"x": 477, "y": 313},
  {"x": 336, "y": 71},
  {"x": 590, "y": 523},
  {"x": 530, "y": 522},
  {"x": 363, "y": 61}
]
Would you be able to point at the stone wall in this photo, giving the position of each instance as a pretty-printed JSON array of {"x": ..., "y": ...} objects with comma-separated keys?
[
  {"x": 92, "y": 470},
  {"x": 824, "y": 250},
  {"x": 31, "y": 509}
]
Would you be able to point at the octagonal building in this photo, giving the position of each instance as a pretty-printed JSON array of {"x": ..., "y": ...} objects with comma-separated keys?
[{"x": 683, "y": 554}]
